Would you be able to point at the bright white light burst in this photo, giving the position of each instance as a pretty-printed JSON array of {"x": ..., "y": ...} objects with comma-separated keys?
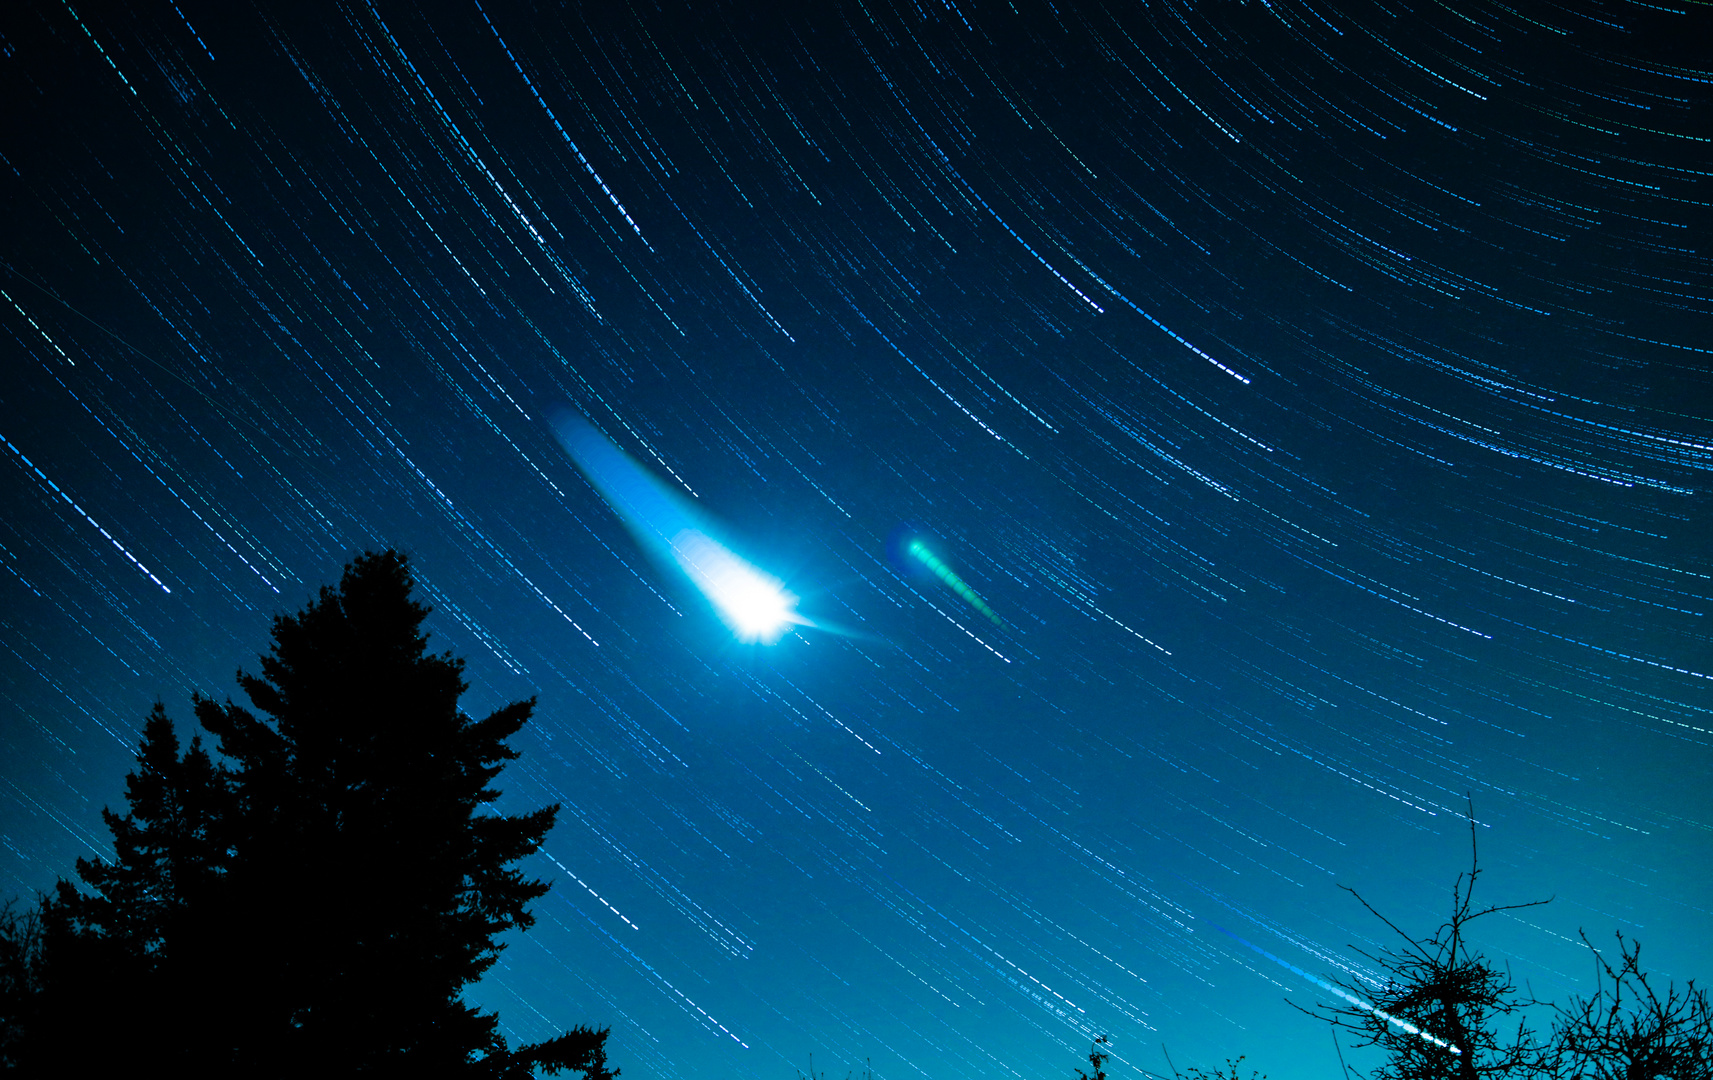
[{"x": 757, "y": 607}]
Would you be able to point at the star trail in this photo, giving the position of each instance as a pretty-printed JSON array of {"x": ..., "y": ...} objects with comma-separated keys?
[{"x": 1005, "y": 506}]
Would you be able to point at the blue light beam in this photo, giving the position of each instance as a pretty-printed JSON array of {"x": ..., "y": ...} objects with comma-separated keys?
[{"x": 756, "y": 606}]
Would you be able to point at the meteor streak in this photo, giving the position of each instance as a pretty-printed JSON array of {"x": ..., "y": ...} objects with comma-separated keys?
[
  {"x": 1397, "y": 1022},
  {"x": 917, "y": 550},
  {"x": 756, "y": 606}
]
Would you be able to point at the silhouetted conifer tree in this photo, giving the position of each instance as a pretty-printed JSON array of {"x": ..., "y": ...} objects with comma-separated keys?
[
  {"x": 104, "y": 955},
  {"x": 20, "y": 980},
  {"x": 317, "y": 901},
  {"x": 169, "y": 850}
]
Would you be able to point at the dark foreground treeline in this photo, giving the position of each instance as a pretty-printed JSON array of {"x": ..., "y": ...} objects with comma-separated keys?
[{"x": 311, "y": 902}]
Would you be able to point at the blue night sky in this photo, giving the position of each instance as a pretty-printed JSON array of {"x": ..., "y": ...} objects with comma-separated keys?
[{"x": 1305, "y": 408}]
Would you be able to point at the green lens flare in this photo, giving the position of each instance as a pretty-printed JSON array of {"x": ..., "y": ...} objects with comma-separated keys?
[{"x": 919, "y": 551}]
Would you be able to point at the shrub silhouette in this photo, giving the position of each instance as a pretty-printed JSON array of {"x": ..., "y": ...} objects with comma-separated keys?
[{"x": 1444, "y": 1011}]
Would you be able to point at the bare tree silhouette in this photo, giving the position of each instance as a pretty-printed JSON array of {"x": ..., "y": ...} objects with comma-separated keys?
[{"x": 1439, "y": 1008}]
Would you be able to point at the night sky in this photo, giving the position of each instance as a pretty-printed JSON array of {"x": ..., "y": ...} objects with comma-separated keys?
[{"x": 1308, "y": 408}]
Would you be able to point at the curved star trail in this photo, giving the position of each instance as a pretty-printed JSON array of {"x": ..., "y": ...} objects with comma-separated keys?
[{"x": 1315, "y": 396}]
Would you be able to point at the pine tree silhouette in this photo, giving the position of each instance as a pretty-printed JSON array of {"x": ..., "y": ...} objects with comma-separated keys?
[
  {"x": 20, "y": 980},
  {"x": 104, "y": 955},
  {"x": 315, "y": 902},
  {"x": 169, "y": 850}
]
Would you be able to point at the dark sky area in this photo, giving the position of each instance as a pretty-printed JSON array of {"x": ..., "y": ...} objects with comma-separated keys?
[{"x": 1307, "y": 406}]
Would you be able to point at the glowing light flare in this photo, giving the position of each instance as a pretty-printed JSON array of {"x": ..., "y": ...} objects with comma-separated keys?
[
  {"x": 675, "y": 532},
  {"x": 756, "y": 606}
]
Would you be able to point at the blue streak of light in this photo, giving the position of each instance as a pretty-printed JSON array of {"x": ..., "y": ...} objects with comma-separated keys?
[{"x": 755, "y": 605}]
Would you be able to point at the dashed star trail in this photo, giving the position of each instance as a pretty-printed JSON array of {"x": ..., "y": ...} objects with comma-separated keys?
[{"x": 1304, "y": 409}]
